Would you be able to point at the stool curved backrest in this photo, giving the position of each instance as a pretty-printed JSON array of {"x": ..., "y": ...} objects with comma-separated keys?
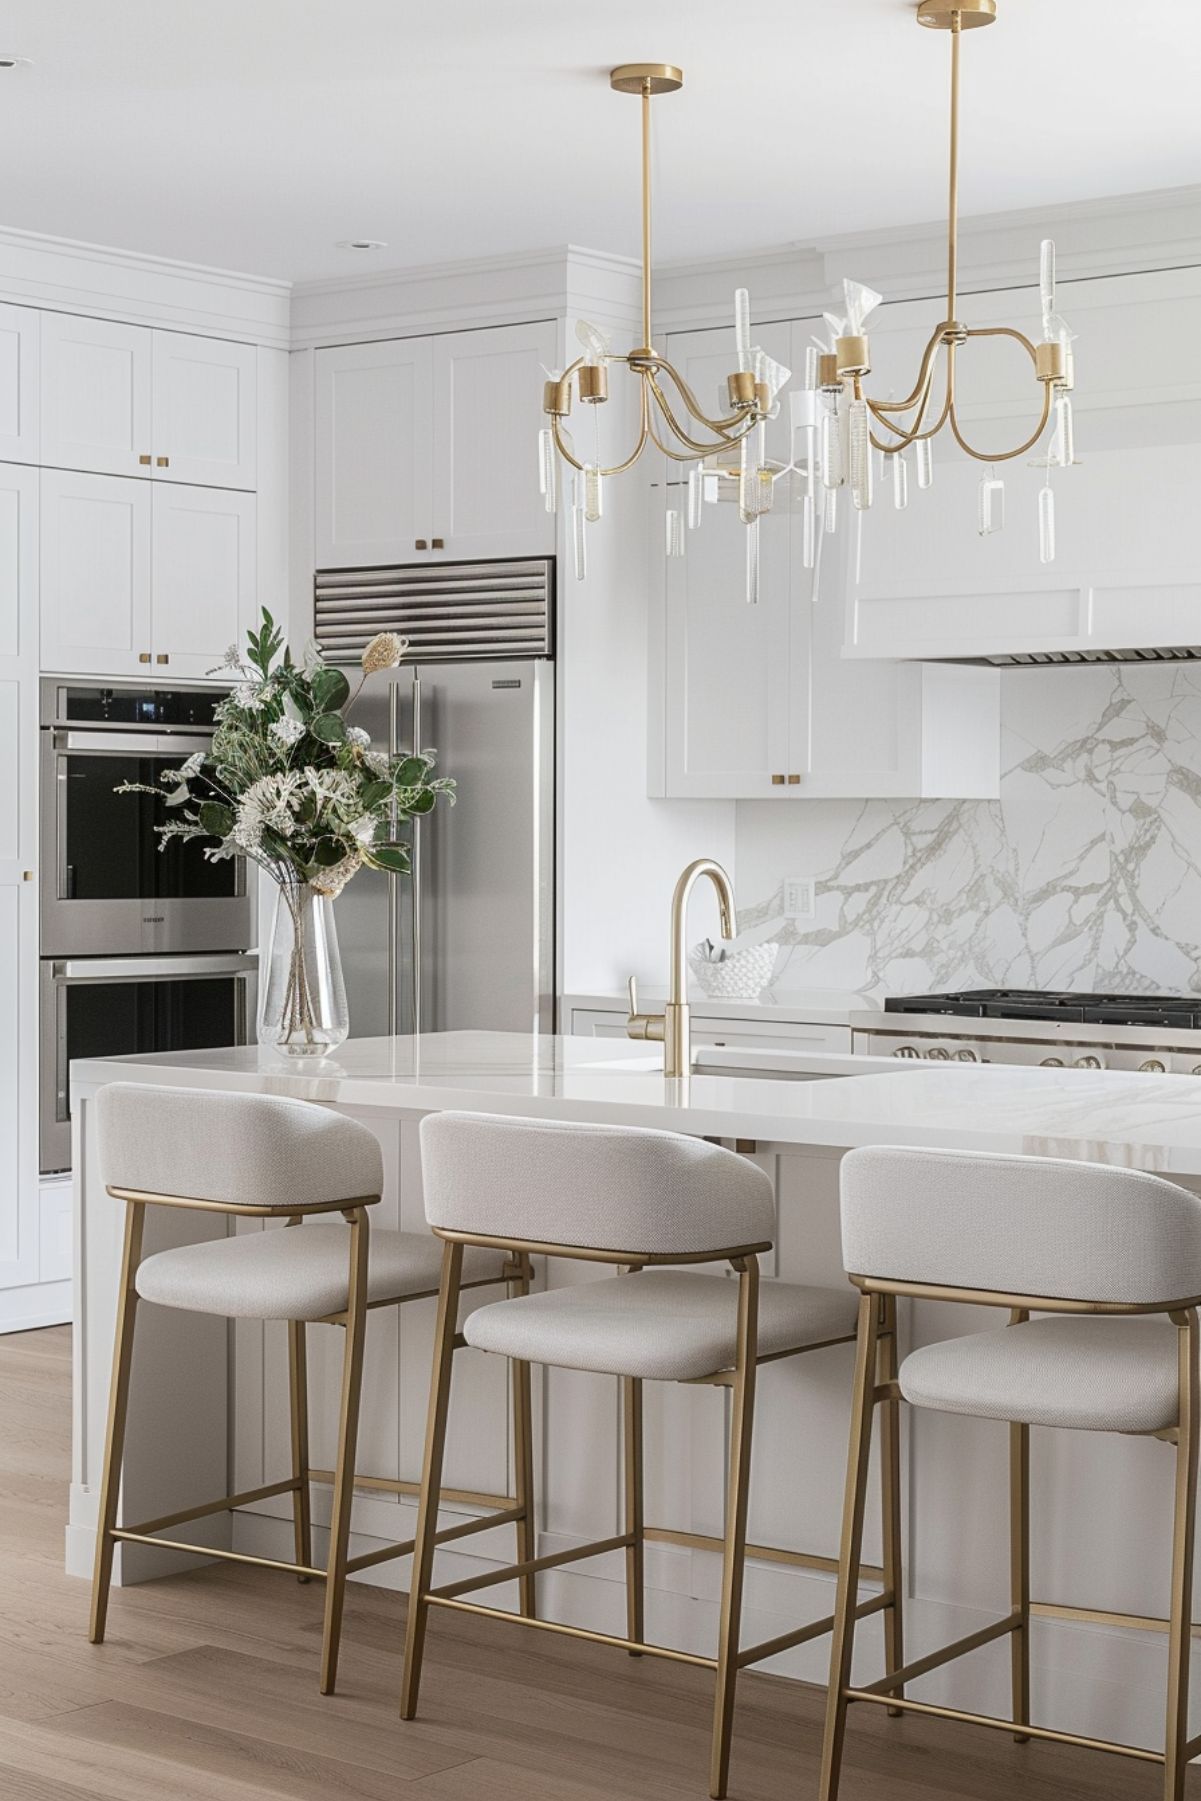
[
  {"x": 259, "y": 1152},
  {"x": 604, "y": 1189},
  {"x": 1084, "y": 1233}
]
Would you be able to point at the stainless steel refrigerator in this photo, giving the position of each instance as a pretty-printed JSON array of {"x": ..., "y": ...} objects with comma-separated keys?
[{"x": 468, "y": 940}]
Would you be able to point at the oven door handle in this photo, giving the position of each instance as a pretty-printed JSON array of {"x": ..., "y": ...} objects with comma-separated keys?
[
  {"x": 134, "y": 743},
  {"x": 150, "y": 969}
]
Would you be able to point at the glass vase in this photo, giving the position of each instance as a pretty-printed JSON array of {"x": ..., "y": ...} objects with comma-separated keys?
[{"x": 302, "y": 997}]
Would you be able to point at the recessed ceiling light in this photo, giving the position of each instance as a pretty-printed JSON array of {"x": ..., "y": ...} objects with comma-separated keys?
[
  {"x": 15, "y": 62},
  {"x": 361, "y": 244}
]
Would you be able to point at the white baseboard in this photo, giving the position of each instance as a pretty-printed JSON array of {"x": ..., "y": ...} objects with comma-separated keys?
[{"x": 39, "y": 1304}]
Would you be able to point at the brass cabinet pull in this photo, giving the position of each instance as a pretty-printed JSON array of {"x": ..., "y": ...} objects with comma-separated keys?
[
  {"x": 145, "y": 461},
  {"x": 437, "y": 544},
  {"x": 27, "y": 875},
  {"x": 777, "y": 781},
  {"x": 163, "y": 462},
  {"x": 793, "y": 781},
  {"x": 162, "y": 657},
  {"x": 420, "y": 544},
  {"x": 143, "y": 656}
]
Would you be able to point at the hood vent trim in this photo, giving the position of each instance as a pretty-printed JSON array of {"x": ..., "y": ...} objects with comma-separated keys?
[
  {"x": 449, "y": 612},
  {"x": 1032, "y": 659}
]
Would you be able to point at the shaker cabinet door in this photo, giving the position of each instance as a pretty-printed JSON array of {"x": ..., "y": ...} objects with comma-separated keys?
[
  {"x": 203, "y": 579},
  {"x": 373, "y": 418},
  {"x": 96, "y": 395},
  {"x": 204, "y": 410},
  {"x": 19, "y": 425},
  {"x": 95, "y": 560},
  {"x": 487, "y": 415}
]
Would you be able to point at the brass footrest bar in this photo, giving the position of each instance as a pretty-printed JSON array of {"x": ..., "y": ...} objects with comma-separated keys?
[
  {"x": 391, "y": 1485},
  {"x": 803, "y": 1560},
  {"x": 171, "y": 1544},
  {"x": 1093, "y": 1616},
  {"x": 921, "y": 1666},
  {"x": 289, "y": 1485},
  {"x": 436, "y": 1599},
  {"x": 387, "y": 1552},
  {"x": 1027, "y": 1731},
  {"x": 787, "y": 1641},
  {"x": 531, "y": 1567}
]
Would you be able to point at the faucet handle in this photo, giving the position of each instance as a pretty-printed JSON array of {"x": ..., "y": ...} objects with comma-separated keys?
[{"x": 643, "y": 1025}]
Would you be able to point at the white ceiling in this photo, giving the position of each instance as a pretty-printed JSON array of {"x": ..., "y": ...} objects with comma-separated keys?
[{"x": 252, "y": 134}]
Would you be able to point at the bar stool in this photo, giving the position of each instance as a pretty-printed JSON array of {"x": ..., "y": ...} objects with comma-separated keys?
[
  {"x": 264, "y": 1157},
  {"x": 1083, "y": 1243},
  {"x": 647, "y": 1200}
]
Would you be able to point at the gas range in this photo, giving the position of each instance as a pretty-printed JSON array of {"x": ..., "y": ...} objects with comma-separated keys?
[{"x": 1153, "y": 1034}]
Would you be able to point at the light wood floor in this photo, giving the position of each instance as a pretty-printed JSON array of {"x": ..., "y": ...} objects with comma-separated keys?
[{"x": 206, "y": 1689}]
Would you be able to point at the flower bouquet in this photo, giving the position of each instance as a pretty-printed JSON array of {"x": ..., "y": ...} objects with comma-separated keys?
[{"x": 291, "y": 785}]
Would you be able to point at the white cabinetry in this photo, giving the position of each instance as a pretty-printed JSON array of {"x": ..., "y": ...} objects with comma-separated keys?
[
  {"x": 19, "y": 1251},
  {"x": 1125, "y": 574},
  {"x": 134, "y": 574},
  {"x": 425, "y": 448},
  {"x": 125, "y": 400},
  {"x": 19, "y": 384},
  {"x": 758, "y": 702}
]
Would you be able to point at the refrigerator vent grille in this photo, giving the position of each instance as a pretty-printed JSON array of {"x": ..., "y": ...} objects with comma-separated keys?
[{"x": 449, "y": 612}]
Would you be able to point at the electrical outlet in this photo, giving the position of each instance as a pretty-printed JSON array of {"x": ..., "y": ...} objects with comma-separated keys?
[{"x": 800, "y": 901}]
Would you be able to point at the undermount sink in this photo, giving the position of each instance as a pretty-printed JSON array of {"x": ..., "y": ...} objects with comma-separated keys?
[{"x": 762, "y": 1065}]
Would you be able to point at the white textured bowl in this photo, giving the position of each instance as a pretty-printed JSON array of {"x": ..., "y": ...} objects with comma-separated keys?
[{"x": 740, "y": 976}]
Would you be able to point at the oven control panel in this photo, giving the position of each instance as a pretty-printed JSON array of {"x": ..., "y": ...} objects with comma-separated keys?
[{"x": 1028, "y": 1053}]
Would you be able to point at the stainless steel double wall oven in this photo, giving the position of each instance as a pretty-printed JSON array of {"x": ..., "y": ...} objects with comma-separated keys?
[{"x": 142, "y": 949}]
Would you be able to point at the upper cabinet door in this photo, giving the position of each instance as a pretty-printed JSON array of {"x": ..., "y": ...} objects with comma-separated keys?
[
  {"x": 19, "y": 384},
  {"x": 203, "y": 576},
  {"x": 487, "y": 414},
  {"x": 95, "y": 542},
  {"x": 373, "y": 419},
  {"x": 204, "y": 410},
  {"x": 96, "y": 395},
  {"x": 727, "y": 666}
]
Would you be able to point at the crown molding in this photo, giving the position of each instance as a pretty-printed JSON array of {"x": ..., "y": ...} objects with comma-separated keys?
[{"x": 66, "y": 275}]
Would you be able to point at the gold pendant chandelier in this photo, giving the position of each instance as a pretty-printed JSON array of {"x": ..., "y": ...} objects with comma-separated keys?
[
  {"x": 845, "y": 424},
  {"x": 669, "y": 414}
]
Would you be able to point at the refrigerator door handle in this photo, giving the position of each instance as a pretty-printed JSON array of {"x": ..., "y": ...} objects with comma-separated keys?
[
  {"x": 393, "y": 897},
  {"x": 415, "y": 878}
]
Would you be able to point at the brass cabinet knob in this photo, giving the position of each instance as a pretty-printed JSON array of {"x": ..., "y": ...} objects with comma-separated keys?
[
  {"x": 777, "y": 781},
  {"x": 794, "y": 781},
  {"x": 163, "y": 462},
  {"x": 143, "y": 656},
  {"x": 145, "y": 462},
  {"x": 437, "y": 544},
  {"x": 420, "y": 544},
  {"x": 27, "y": 875},
  {"x": 162, "y": 657}
]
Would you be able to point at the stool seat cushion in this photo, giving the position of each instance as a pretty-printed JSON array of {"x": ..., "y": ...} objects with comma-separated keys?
[
  {"x": 1099, "y": 1374},
  {"x": 297, "y": 1272},
  {"x": 662, "y": 1325}
]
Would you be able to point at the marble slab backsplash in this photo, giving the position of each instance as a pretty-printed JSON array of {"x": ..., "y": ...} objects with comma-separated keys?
[{"x": 1085, "y": 874}]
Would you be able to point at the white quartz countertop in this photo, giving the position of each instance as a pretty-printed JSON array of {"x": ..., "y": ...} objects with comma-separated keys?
[{"x": 1140, "y": 1121}]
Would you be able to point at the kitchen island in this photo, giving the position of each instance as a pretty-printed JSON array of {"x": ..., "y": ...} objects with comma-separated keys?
[{"x": 209, "y": 1410}]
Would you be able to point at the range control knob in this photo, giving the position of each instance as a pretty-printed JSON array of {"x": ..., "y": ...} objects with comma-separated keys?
[
  {"x": 966, "y": 1057},
  {"x": 940, "y": 1054},
  {"x": 1152, "y": 1067},
  {"x": 907, "y": 1050},
  {"x": 1088, "y": 1063},
  {"x": 1051, "y": 1063}
]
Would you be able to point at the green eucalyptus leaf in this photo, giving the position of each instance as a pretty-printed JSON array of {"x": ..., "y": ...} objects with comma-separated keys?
[
  {"x": 411, "y": 771},
  {"x": 423, "y": 802},
  {"x": 216, "y": 818},
  {"x": 374, "y": 794},
  {"x": 328, "y": 851},
  {"x": 392, "y": 857},
  {"x": 331, "y": 689},
  {"x": 328, "y": 728}
]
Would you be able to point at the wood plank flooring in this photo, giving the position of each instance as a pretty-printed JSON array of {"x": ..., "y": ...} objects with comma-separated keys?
[{"x": 206, "y": 1689}]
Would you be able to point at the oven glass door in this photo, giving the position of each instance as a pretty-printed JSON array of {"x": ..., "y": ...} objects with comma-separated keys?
[
  {"x": 111, "y": 888},
  {"x": 112, "y": 1007}
]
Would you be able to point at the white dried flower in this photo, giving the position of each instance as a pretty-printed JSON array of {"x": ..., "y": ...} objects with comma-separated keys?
[
  {"x": 384, "y": 652},
  {"x": 356, "y": 735},
  {"x": 362, "y": 830},
  {"x": 287, "y": 731},
  {"x": 249, "y": 697},
  {"x": 378, "y": 762}
]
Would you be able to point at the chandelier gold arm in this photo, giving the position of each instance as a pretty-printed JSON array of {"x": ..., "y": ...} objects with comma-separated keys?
[
  {"x": 915, "y": 436},
  {"x": 727, "y": 427},
  {"x": 1006, "y": 456},
  {"x": 922, "y": 385},
  {"x": 725, "y": 440},
  {"x": 617, "y": 468},
  {"x": 676, "y": 456}
]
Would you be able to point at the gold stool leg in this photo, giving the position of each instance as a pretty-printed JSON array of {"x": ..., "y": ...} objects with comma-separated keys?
[
  {"x": 298, "y": 1384},
  {"x": 890, "y": 1498},
  {"x": 431, "y": 1476},
  {"x": 734, "y": 1556},
  {"x": 348, "y": 1432},
  {"x": 523, "y": 1463},
  {"x": 850, "y": 1550},
  {"x": 1019, "y": 1573},
  {"x": 1180, "y": 1620},
  {"x": 631, "y": 1408},
  {"x": 118, "y": 1409}
]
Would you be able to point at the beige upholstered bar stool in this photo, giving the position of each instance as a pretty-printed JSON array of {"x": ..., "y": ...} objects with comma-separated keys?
[
  {"x": 266, "y": 1157},
  {"x": 647, "y": 1200},
  {"x": 1082, "y": 1243}
]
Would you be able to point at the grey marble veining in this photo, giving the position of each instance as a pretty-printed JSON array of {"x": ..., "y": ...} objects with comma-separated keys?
[{"x": 1085, "y": 874}]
